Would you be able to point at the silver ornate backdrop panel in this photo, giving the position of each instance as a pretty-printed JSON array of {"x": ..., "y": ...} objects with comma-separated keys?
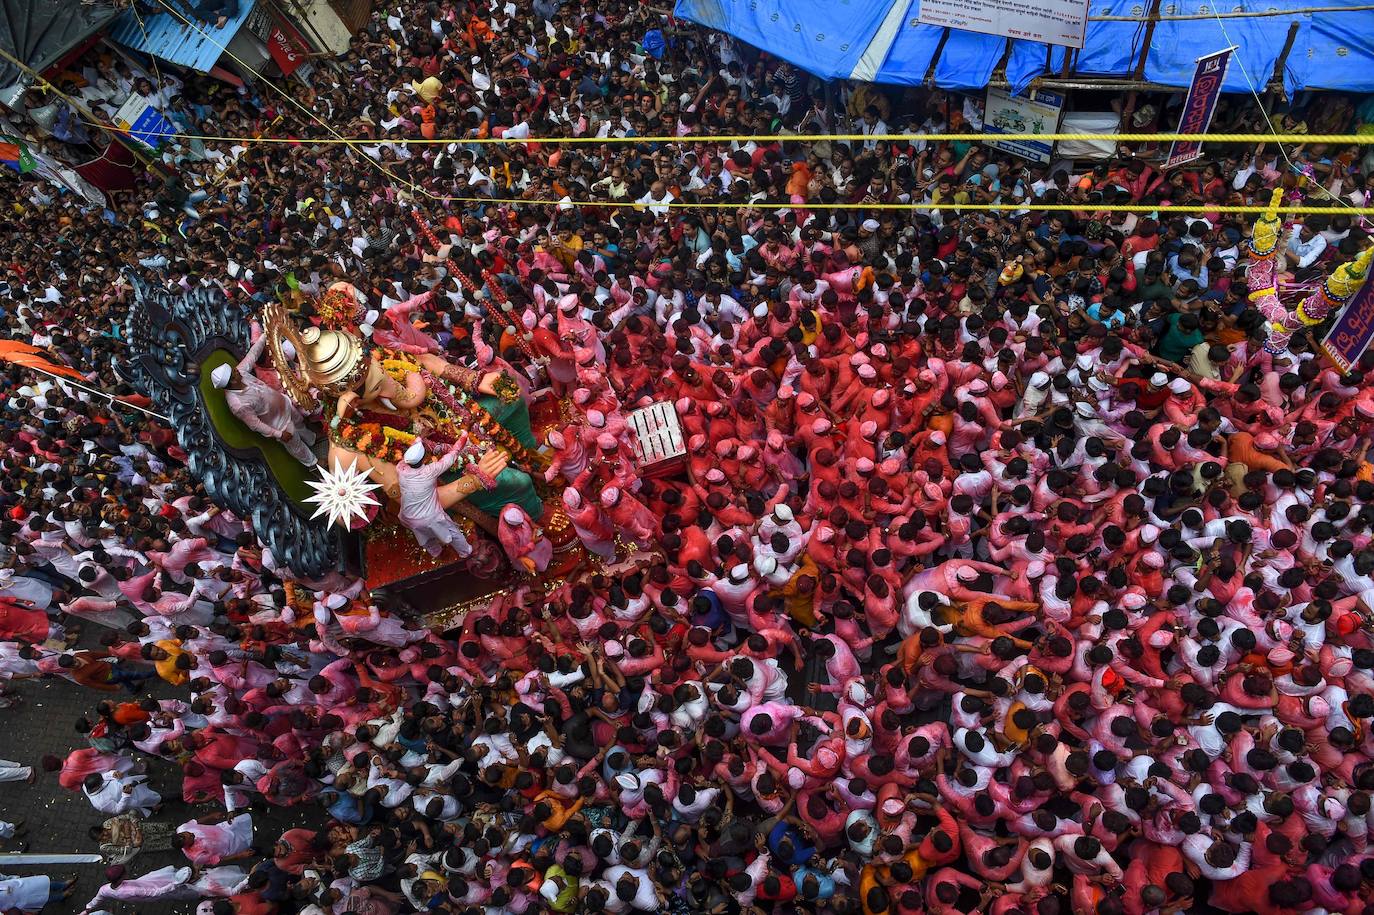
[{"x": 170, "y": 334}]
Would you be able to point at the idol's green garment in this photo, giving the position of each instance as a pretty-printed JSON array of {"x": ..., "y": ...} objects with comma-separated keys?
[{"x": 512, "y": 485}]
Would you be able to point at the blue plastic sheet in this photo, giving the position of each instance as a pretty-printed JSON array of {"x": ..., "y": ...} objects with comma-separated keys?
[
  {"x": 653, "y": 43},
  {"x": 1330, "y": 50},
  {"x": 968, "y": 59},
  {"x": 1176, "y": 46},
  {"x": 824, "y": 37},
  {"x": 1346, "y": 41},
  {"x": 1109, "y": 49},
  {"x": 966, "y": 62},
  {"x": 169, "y": 37},
  {"x": 909, "y": 58}
]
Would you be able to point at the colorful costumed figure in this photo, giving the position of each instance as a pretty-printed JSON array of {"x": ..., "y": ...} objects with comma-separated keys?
[
  {"x": 380, "y": 401},
  {"x": 1262, "y": 280}
]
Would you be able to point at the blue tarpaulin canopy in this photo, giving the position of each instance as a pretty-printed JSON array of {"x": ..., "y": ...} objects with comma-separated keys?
[
  {"x": 198, "y": 46},
  {"x": 883, "y": 41}
]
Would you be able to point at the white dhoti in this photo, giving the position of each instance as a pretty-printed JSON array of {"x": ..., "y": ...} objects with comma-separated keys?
[
  {"x": 302, "y": 441},
  {"x": 13, "y": 771},
  {"x": 433, "y": 534}
]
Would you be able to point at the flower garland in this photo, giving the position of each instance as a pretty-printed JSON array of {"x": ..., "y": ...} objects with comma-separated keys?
[
  {"x": 336, "y": 309},
  {"x": 375, "y": 440},
  {"x": 466, "y": 411},
  {"x": 523, "y": 337},
  {"x": 389, "y": 444}
]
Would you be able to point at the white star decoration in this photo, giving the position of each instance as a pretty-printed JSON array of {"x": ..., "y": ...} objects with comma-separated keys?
[{"x": 342, "y": 494}]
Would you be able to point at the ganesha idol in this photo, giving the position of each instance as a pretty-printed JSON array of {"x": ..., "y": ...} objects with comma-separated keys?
[{"x": 377, "y": 402}]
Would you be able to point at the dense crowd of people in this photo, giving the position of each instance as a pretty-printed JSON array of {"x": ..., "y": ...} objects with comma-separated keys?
[{"x": 1007, "y": 572}]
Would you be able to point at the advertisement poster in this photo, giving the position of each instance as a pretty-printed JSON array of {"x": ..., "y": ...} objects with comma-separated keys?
[
  {"x": 1353, "y": 330},
  {"x": 1060, "y": 22},
  {"x": 1199, "y": 106},
  {"x": 144, "y": 123},
  {"x": 1035, "y": 112},
  {"x": 287, "y": 48}
]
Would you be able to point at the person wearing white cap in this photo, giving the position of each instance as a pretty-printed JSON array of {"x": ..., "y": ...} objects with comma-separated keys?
[
  {"x": 526, "y": 546},
  {"x": 421, "y": 510},
  {"x": 1036, "y": 393},
  {"x": 369, "y": 322},
  {"x": 262, "y": 408},
  {"x": 593, "y": 528},
  {"x": 393, "y": 327},
  {"x": 780, "y": 520},
  {"x": 1089, "y": 422}
]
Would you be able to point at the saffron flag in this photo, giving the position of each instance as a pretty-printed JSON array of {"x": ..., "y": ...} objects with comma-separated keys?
[{"x": 20, "y": 353}]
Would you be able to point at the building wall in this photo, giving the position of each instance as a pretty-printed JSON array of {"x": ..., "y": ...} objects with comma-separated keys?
[{"x": 320, "y": 23}]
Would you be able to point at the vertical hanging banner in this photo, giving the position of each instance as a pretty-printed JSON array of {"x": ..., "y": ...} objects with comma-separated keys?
[
  {"x": 1200, "y": 105},
  {"x": 287, "y": 47},
  {"x": 1350, "y": 335}
]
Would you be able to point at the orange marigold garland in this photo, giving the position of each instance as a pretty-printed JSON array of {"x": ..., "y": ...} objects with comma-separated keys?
[{"x": 337, "y": 309}]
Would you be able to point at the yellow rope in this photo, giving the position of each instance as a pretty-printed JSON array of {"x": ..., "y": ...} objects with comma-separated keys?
[
  {"x": 1008, "y": 208},
  {"x": 286, "y": 95},
  {"x": 1339, "y": 139}
]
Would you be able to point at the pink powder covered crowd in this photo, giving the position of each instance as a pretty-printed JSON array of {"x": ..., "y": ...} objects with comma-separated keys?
[{"x": 1007, "y": 572}]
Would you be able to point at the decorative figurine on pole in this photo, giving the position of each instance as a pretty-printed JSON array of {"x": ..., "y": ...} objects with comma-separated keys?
[{"x": 1262, "y": 279}]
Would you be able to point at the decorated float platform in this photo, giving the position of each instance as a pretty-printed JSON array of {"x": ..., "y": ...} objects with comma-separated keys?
[{"x": 179, "y": 339}]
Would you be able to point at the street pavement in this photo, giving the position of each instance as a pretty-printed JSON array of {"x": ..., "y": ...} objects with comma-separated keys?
[{"x": 59, "y": 821}]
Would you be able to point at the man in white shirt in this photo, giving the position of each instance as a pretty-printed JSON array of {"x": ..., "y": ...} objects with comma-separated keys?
[
  {"x": 872, "y": 125},
  {"x": 657, "y": 199},
  {"x": 1305, "y": 245}
]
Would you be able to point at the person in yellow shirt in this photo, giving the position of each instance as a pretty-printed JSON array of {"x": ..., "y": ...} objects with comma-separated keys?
[
  {"x": 172, "y": 664},
  {"x": 565, "y": 245},
  {"x": 799, "y": 594}
]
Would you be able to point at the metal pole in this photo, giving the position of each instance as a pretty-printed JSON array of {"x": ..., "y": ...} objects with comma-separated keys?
[
  {"x": 1232, "y": 14},
  {"x": 97, "y": 392},
  {"x": 40, "y": 858},
  {"x": 1149, "y": 34}
]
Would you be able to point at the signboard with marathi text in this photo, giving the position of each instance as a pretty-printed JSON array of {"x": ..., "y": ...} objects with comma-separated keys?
[
  {"x": 1034, "y": 112},
  {"x": 1060, "y": 22},
  {"x": 658, "y": 438},
  {"x": 1199, "y": 106},
  {"x": 1353, "y": 330},
  {"x": 286, "y": 46}
]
